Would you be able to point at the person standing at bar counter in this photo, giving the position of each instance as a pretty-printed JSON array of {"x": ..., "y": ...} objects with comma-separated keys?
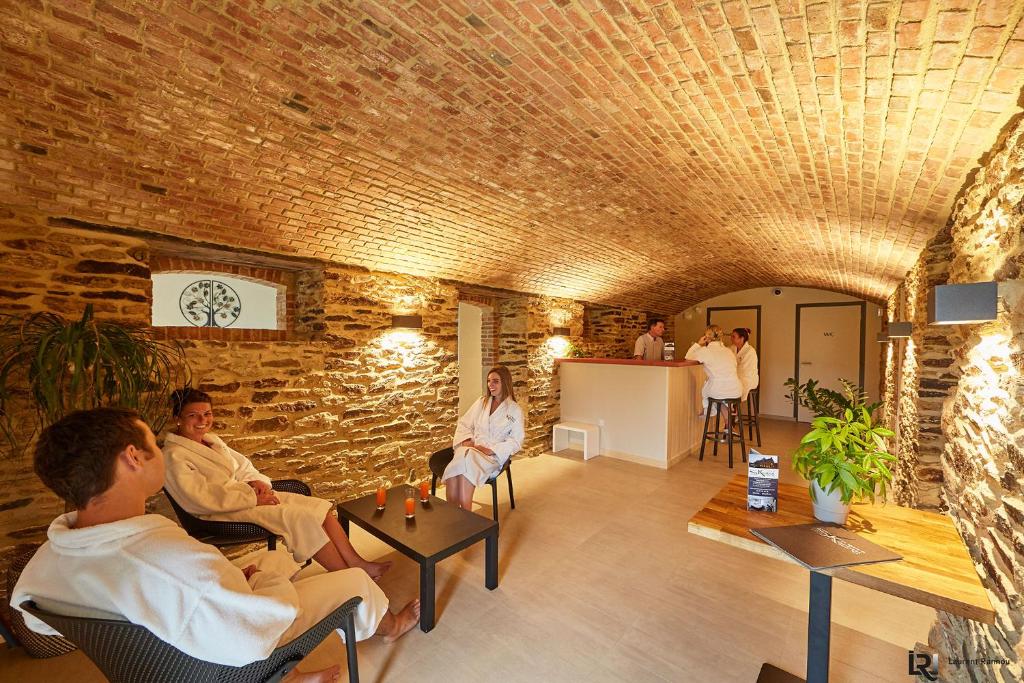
[{"x": 650, "y": 345}]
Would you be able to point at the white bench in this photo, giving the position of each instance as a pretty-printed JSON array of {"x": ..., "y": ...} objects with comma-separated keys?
[{"x": 591, "y": 437}]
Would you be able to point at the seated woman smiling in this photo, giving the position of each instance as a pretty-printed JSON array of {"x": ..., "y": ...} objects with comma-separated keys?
[{"x": 212, "y": 481}]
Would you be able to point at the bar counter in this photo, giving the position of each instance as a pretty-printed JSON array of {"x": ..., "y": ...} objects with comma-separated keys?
[{"x": 647, "y": 411}]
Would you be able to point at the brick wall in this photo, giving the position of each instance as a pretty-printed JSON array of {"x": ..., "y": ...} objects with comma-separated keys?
[
  {"x": 961, "y": 420},
  {"x": 475, "y": 141}
]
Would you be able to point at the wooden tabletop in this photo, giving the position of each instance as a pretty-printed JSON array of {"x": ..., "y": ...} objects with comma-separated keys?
[
  {"x": 936, "y": 569},
  {"x": 631, "y": 361}
]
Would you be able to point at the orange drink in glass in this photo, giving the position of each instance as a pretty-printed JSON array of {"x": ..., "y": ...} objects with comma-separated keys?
[
  {"x": 424, "y": 491},
  {"x": 382, "y": 497},
  {"x": 410, "y": 507}
]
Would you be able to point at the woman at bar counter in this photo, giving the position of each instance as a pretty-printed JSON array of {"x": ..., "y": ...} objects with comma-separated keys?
[
  {"x": 719, "y": 365},
  {"x": 213, "y": 481},
  {"x": 746, "y": 360},
  {"x": 488, "y": 435}
]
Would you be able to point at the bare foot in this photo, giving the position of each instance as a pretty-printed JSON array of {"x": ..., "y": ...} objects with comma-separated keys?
[
  {"x": 404, "y": 621},
  {"x": 376, "y": 569},
  {"x": 330, "y": 675}
]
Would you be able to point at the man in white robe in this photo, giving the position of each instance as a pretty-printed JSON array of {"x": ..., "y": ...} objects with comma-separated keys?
[{"x": 110, "y": 559}]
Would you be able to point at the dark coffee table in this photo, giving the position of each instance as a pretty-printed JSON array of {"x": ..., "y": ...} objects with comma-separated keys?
[{"x": 439, "y": 530}]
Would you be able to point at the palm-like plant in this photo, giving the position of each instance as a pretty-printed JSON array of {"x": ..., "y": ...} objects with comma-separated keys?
[
  {"x": 50, "y": 366},
  {"x": 847, "y": 452}
]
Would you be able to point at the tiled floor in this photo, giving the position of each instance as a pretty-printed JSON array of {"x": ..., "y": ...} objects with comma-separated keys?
[{"x": 600, "y": 581}]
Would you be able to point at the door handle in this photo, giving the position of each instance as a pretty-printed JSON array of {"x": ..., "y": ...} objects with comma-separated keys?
[{"x": 805, "y": 362}]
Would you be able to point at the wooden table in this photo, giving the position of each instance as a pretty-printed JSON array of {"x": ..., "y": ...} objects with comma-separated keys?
[
  {"x": 936, "y": 569},
  {"x": 438, "y": 530}
]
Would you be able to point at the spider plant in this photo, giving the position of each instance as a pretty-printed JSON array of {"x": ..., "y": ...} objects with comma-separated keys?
[{"x": 50, "y": 366}]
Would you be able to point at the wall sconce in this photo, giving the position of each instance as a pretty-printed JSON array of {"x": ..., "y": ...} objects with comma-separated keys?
[
  {"x": 963, "y": 304},
  {"x": 900, "y": 330},
  {"x": 882, "y": 338},
  {"x": 560, "y": 331},
  {"x": 407, "y": 322}
]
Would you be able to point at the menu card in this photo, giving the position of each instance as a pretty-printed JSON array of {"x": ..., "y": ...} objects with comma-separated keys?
[
  {"x": 823, "y": 545},
  {"x": 762, "y": 482}
]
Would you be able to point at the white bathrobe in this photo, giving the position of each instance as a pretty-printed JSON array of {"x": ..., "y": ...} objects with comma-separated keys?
[
  {"x": 210, "y": 482},
  {"x": 746, "y": 359},
  {"x": 502, "y": 431},
  {"x": 148, "y": 571},
  {"x": 720, "y": 367}
]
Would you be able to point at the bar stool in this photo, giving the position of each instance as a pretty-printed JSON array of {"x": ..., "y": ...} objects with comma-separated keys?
[
  {"x": 751, "y": 418},
  {"x": 718, "y": 405}
]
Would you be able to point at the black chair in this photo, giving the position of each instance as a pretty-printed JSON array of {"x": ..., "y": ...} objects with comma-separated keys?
[
  {"x": 223, "y": 534},
  {"x": 440, "y": 460},
  {"x": 35, "y": 644},
  {"x": 751, "y": 418},
  {"x": 129, "y": 653},
  {"x": 730, "y": 406}
]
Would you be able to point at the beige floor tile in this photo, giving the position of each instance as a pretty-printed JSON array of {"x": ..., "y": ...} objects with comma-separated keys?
[{"x": 600, "y": 581}]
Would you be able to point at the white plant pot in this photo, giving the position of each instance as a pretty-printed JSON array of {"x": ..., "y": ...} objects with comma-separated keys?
[{"x": 829, "y": 507}]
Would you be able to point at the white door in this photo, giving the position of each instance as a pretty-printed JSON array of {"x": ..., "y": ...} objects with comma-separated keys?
[
  {"x": 830, "y": 339},
  {"x": 471, "y": 374},
  {"x": 731, "y": 318}
]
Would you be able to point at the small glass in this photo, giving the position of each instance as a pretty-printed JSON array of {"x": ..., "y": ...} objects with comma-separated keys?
[
  {"x": 424, "y": 492},
  {"x": 410, "y": 507},
  {"x": 382, "y": 497}
]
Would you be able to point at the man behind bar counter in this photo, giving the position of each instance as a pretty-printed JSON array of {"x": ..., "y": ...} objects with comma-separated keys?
[{"x": 649, "y": 345}]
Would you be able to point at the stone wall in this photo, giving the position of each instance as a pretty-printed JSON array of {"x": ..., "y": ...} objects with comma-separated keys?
[
  {"x": 961, "y": 420},
  {"x": 341, "y": 401}
]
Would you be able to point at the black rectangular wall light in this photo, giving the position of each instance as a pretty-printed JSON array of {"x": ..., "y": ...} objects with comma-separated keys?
[
  {"x": 560, "y": 331},
  {"x": 407, "y": 322},
  {"x": 900, "y": 330},
  {"x": 963, "y": 304},
  {"x": 881, "y": 337}
]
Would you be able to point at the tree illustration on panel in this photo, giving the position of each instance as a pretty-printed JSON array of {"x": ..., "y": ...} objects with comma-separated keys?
[{"x": 210, "y": 303}]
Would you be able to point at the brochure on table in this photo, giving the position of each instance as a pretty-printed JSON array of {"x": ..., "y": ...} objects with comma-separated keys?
[
  {"x": 823, "y": 545},
  {"x": 762, "y": 482}
]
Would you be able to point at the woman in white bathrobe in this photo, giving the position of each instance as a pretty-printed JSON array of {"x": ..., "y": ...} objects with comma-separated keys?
[
  {"x": 746, "y": 360},
  {"x": 211, "y": 480},
  {"x": 720, "y": 366},
  {"x": 490, "y": 432}
]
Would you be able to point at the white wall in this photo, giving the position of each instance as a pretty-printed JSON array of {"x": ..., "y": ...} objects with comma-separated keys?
[
  {"x": 471, "y": 373},
  {"x": 778, "y": 343}
]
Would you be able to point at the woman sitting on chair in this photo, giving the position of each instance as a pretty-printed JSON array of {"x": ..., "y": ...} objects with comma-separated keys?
[
  {"x": 485, "y": 438},
  {"x": 212, "y": 481},
  {"x": 746, "y": 359},
  {"x": 723, "y": 379}
]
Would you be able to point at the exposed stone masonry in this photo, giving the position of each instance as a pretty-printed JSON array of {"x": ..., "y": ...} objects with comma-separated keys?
[
  {"x": 961, "y": 419},
  {"x": 344, "y": 402}
]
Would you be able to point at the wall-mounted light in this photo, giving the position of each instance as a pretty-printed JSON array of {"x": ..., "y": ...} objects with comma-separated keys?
[
  {"x": 407, "y": 322},
  {"x": 976, "y": 302},
  {"x": 900, "y": 330},
  {"x": 882, "y": 338},
  {"x": 560, "y": 331}
]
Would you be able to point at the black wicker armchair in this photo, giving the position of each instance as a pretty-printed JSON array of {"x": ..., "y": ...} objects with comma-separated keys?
[
  {"x": 129, "y": 653},
  {"x": 35, "y": 644},
  {"x": 440, "y": 460},
  {"x": 223, "y": 534}
]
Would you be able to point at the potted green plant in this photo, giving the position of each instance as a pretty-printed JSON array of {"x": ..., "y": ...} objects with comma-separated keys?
[
  {"x": 51, "y": 366},
  {"x": 844, "y": 457}
]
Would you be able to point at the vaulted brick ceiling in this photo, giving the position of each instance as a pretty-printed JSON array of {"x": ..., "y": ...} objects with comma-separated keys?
[{"x": 645, "y": 153}]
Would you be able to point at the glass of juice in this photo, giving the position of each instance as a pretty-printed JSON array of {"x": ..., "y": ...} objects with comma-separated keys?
[
  {"x": 410, "y": 507},
  {"x": 382, "y": 497},
  {"x": 424, "y": 491}
]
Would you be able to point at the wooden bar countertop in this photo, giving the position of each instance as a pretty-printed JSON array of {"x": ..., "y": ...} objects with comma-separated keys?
[
  {"x": 631, "y": 361},
  {"x": 936, "y": 569}
]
